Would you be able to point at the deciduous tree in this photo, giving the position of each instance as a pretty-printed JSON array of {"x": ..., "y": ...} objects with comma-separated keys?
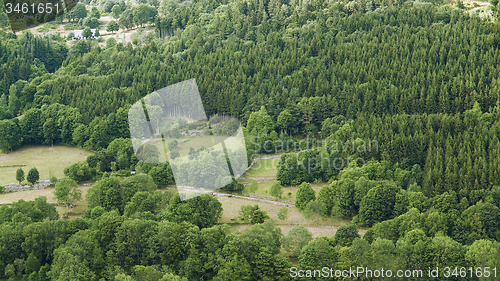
[
  {"x": 67, "y": 192},
  {"x": 297, "y": 237},
  {"x": 20, "y": 175},
  {"x": 275, "y": 189},
  {"x": 33, "y": 176},
  {"x": 112, "y": 26},
  {"x": 305, "y": 193}
]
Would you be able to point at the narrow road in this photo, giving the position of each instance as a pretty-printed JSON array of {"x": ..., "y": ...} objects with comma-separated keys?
[
  {"x": 256, "y": 198},
  {"x": 250, "y": 197}
]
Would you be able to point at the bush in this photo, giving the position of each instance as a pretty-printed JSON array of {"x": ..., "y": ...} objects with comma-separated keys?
[
  {"x": 276, "y": 190},
  {"x": 80, "y": 171},
  {"x": 283, "y": 213},
  {"x": 252, "y": 214},
  {"x": 53, "y": 180},
  {"x": 234, "y": 186},
  {"x": 315, "y": 210}
]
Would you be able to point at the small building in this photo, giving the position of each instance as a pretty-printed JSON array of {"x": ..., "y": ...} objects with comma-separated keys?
[{"x": 78, "y": 34}]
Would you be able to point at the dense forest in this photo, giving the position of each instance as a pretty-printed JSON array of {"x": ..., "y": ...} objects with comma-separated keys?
[{"x": 410, "y": 88}]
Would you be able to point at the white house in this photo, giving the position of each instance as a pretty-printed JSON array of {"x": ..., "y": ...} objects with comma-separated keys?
[{"x": 78, "y": 34}]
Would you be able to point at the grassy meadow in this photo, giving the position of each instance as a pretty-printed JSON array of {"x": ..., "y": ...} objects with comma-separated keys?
[
  {"x": 185, "y": 143},
  {"x": 30, "y": 195},
  {"x": 49, "y": 160}
]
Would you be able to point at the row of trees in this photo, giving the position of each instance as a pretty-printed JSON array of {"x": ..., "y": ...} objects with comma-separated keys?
[
  {"x": 32, "y": 177},
  {"x": 59, "y": 123}
]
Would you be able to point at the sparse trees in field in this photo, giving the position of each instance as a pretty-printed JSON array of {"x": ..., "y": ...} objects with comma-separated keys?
[
  {"x": 174, "y": 154},
  {"x": 252, "y": 214},
  {"x": 175, "y": 132}
]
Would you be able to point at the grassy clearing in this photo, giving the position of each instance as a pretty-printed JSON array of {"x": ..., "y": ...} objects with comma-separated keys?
[
  {"x": 186, "y": 143},
  {"x": 264, "y": 168},
  {"x": 262, "y": 189},
  {"x": 293, "y": 190},
  {"x": 30, "y": 195},
  {"x": 50, "y": 161},
  {"x": 231, "y": 207},
  {"x": 197, "y": 142}
]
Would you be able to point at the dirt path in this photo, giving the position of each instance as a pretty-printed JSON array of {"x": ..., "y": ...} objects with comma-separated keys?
[{"x": 256, "y": 198}]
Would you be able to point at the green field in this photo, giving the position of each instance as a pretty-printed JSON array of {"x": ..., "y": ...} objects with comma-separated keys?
[
  {"x": 231, "y": 207},
  {"x": 326, "y": 227},
  {"x": 31, "y": 195},
  {"x": 186, "y": 143},
  {"x": 262, "y": 189},
  {"x": 50, "y": 161},
  {"x": 263, "y": 168}
]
